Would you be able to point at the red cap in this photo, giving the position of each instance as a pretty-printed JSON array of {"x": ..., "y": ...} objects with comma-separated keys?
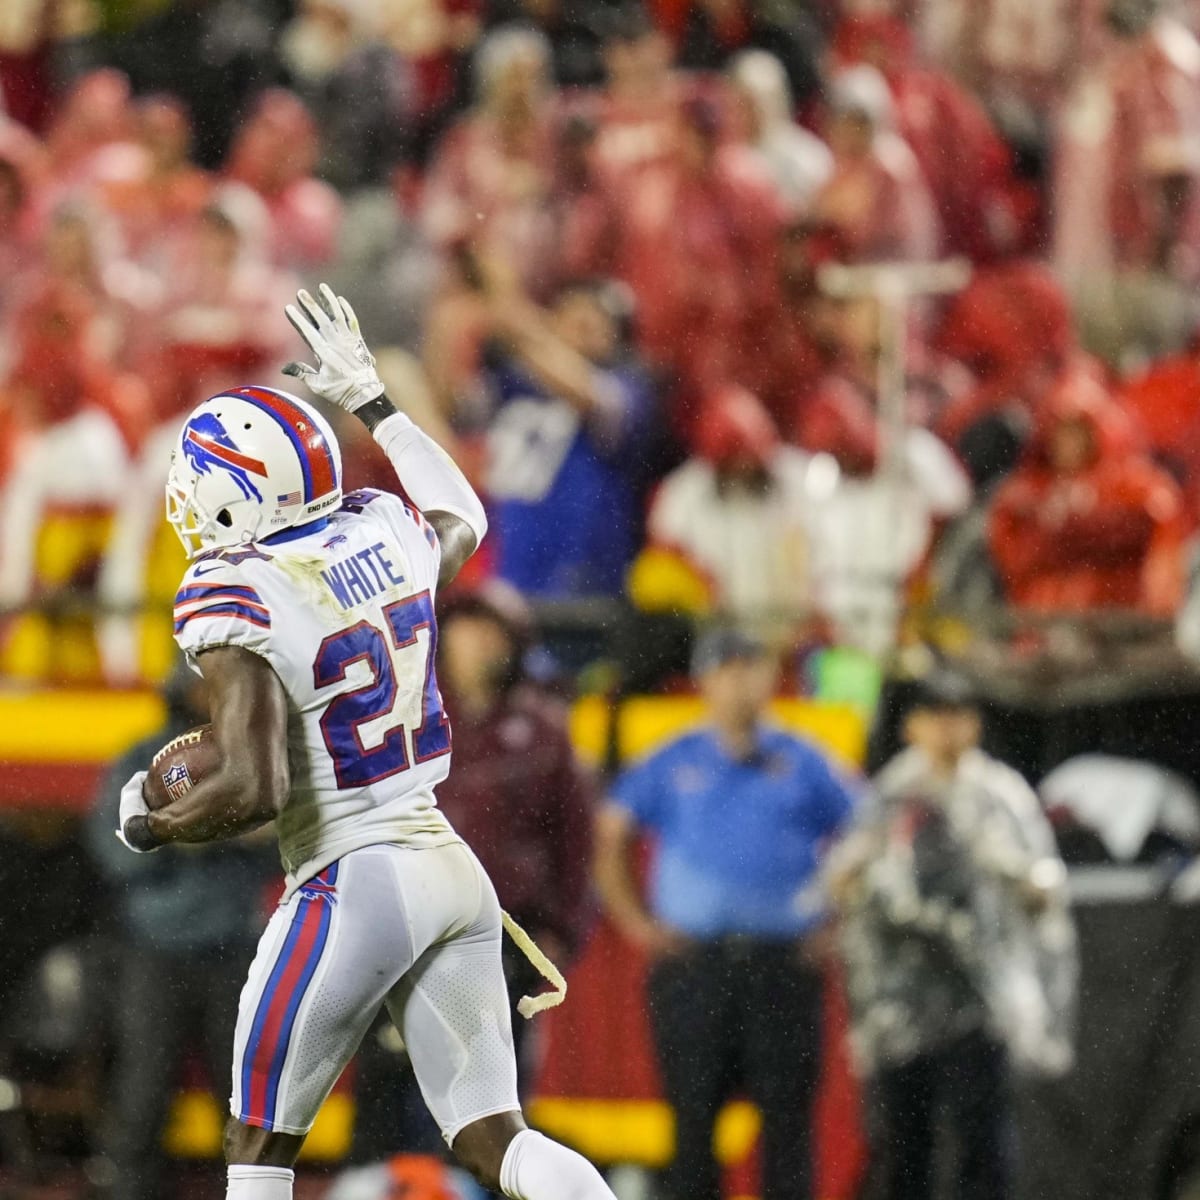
[{"x": 734, "y": 424}]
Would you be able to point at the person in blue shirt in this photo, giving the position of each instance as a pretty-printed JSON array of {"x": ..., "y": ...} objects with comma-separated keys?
[
  {"x": 570, "y": 408},
  {"x": 740, "y": 813}
]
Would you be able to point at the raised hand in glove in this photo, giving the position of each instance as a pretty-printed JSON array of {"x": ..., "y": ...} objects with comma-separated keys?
[{"x": 345, "y": 373}]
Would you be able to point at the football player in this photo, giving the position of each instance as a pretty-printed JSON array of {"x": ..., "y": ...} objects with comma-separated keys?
[{"x": 311, "y": 617}]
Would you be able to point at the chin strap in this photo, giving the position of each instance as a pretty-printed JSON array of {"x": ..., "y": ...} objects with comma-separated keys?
[{"x": 529, "y": 1006}]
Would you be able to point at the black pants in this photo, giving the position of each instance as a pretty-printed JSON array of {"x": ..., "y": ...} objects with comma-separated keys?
[
  {"x": 738, "y": 1015},
  {"x": 167, "y": 1006},
  {"x": 965, "y": 1082}
]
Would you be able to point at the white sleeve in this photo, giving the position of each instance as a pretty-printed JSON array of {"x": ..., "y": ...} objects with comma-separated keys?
[
  {"x": 216, "y": 606},
  {"x": 428, "y": 475}
]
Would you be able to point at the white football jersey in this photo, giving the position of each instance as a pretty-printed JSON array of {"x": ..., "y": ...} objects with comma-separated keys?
[{"x": 345, "y": 616}]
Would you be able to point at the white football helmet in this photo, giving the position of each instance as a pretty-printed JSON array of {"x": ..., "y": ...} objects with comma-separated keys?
[{"x": 250, "y": 462}]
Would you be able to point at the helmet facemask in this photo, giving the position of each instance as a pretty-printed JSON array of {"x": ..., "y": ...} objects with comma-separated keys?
[{"x": 200, "y": 526}]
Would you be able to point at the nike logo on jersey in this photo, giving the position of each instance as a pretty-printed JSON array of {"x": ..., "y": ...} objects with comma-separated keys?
[{"x": 360, "y": 577}]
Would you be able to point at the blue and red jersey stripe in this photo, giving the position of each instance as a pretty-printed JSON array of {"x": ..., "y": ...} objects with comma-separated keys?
[
  {"x": 239, "y": 612},
  {"x": 275, "y": 1019},
  {"x": 220, "y": 600},
  {"x": 204, "y": 591}
]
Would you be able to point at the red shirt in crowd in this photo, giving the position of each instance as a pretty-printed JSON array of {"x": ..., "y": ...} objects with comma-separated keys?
[
  {"x": 1127, "y": 175},
  {"x": 1087, "y": 521},
  {"x": 699, "y": 248},
  {"x": 1165, "y": 401},
  {"x": 275, "y": 153},
  {"x": 962, "y": 158},
  {"x": 1012, "y": 328}
]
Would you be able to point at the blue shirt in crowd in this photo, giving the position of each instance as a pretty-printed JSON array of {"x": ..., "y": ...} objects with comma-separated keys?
[
  {"x": 737, "y": 841},
  {"x": 564, "y": 493}
]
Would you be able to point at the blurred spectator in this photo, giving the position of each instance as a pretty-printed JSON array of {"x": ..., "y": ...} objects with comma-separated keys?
[
  {"x": 715, "y": 30},
  {"x": 154, "y": 206},
  {"x": 870, "y": 530},
  {"x": 1162, "y": 401},
  {"x": 1087, "y": 521},
  {"x": 877, "y": 199},
  {"x": 357, "y": 87},
  {"x": 737, "y": 512},
  {"x": 875, "y": 504},
  {"x": 638, "y": 108},
  {"x": 585, "y": 209},
  {"x": 215, "y": 55},
  {"x": 569, "y": 414},
  {"x": 575, "y": 30},
  {"x": 65, "y": 411},
  {"x": 221, "y": 320},
  {"x": 1126, "y": 186},
  {"x": 962, "y": 158},
  {"x": 221, "y": 324},
  {"x": 1020, "y": 56},
  {"x": 1012, "y": 328},
  {"x": 699, "y": 248},
  {"x": 189, "y": 923},
  {"x": 27, "y": 91},
  {"x": 91, "y": 140},
  {"x": 799, "y": 162},
  {"x": 518, "y": 793},
  {"x": 53, "y": 1050},
  {"x": 958, "y": 945},
  {"x": 488, "y": 184},
  {"x": 81, "y": 250},
  {"x": 275, "y": 152},
  {"x": 437, "y": 40},
  {"x": 794, "y": 348},
  {"x": 21, "y": 161},
  {"x": 740, "y": 811}
]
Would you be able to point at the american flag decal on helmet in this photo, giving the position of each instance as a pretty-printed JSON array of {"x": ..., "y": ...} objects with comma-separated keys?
[
  {"x": 176, "y": 781},
  {"x": 289, "y": 498}
]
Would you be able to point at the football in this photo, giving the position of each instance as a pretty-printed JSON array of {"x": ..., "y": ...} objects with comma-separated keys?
[{"x": 180, "y": 765}]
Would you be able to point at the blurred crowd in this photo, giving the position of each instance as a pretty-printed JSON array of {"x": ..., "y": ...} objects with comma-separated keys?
[
  {"x": 664, "y": 277},
  {"x": 592, "y": 244}
]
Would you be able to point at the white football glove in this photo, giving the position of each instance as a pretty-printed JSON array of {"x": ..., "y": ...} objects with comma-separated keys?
[
  {"x": 345, "y": 374},
  {"x": 133, "y": 804}
]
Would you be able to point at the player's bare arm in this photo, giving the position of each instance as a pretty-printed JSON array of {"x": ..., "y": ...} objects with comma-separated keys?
[
  {"x": 251, "y": 785},
  {"x": 345, "y": 375}
]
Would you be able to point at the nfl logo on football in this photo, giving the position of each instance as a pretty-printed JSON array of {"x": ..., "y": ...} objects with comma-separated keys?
[{"x": 176, "y": 781}]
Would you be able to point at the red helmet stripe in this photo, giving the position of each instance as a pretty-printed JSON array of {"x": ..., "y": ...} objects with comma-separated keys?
[{"x": 315, "y": 447}]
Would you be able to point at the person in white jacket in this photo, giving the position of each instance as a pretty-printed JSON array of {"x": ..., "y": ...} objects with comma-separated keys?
[{"x": 959, "y": 948}]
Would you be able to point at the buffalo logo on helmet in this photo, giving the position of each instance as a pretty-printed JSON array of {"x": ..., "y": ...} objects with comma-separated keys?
[{"x": 208, "y": 446}]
